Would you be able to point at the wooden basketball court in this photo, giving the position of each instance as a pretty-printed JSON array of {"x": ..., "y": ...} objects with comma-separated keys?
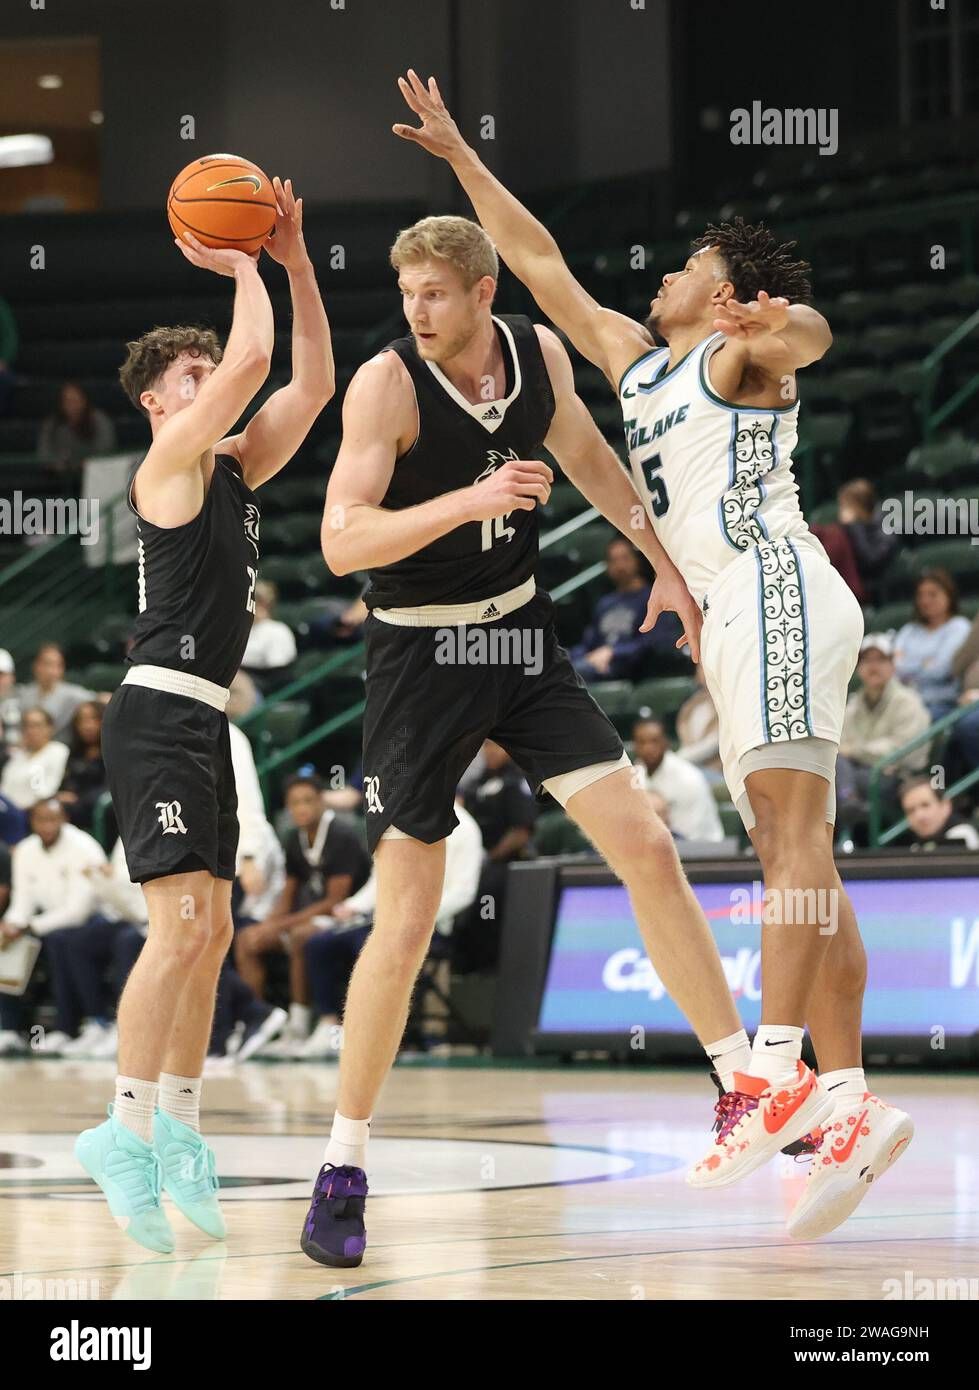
[{"x": 488, "y": 1182}]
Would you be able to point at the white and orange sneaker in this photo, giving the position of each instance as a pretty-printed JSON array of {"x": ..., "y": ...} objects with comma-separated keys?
[
  {"x": 756, "y": 1120},
  {"x": 854, "y": 1147}
]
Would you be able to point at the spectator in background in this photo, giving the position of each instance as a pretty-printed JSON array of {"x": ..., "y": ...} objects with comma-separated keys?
[
  {"x": 932, "y": 818},
  {"x": 50, "y": 690},
  {"x": 332, "y": 952},
  {"x": 925, "y": 648},
  {"x": 880, "y": 717},
  {"x": 34, "y": 770},
  {"x": 612, "y": 647},
  {"x": 326, "y": 861},
  {"x": 340, "y": 620},
  {"x": 9, "y": 703},
  {"x": 860, "y": 516},
  {"x": 964, "y": 743},
  {"x": 503, "y": 806},
  {"x": 271, "y": 644},
  {"x": 697, "y": 730},
  {"x": 52, "y": 897},
  {"x": 693, "y": 810},
  {"x": 76, "y": 431},
  {"x": 84, "y": 779}
]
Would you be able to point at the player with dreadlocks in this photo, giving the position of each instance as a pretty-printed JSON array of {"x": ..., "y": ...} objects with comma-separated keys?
[{"x": 708, "y": 394}]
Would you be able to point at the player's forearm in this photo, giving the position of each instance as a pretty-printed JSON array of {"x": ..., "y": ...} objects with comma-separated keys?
[
  {"x": 807, "y": 335},
  {"x": 363, "y": 537},
  {"x": 252, "y": 327},
  {"x": 600, "y": 477},
  {"x": 517, "y": 234},
  {"x": 312, "y": 347}
]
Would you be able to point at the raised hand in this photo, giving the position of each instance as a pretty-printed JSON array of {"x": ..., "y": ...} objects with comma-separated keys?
[
  {"x": 285, "y": 242},
  {"x": 438, "y": 132},
  {"x": 761, "y": 315},
  {"x": 219, "y": 259}
]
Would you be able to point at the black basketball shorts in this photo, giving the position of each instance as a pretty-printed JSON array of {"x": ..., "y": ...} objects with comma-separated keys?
[
  {"x": 168, "y": 765},
  {"x": 434, "y": 695}
]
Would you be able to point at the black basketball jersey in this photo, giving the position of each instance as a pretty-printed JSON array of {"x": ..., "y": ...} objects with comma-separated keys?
[
  {"x": 197, "y": 582},
  {"x": 457, "y": 444}
]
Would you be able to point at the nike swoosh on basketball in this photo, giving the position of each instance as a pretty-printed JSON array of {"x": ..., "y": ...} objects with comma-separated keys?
[
  {"x": 253, "y": 179},
  {"x": 841, "y": 1155}
]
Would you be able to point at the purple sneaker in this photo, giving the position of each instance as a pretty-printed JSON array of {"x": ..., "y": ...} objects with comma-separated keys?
[{"x": 334, "y": 1233}]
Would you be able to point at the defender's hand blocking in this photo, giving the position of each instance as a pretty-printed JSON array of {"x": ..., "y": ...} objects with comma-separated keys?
[
  {"x": 761, "y": 315},
  {"x": 438, "y": 132},
  {"x": 518, "y": 486},
  {"x": 222, "y": 262}
]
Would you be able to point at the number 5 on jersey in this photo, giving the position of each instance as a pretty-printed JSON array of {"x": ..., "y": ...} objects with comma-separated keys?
[{"x": 658, "y": 497}]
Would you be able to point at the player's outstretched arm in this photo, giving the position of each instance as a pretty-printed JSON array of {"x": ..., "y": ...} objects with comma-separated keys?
[
  {"x": 596, "y": 471},
  {"x": 611, "y": 340},
  {"x": 276, "y": 431},
  {"x": 182, "y": 440},
  {"x": 379, "y": 420}
]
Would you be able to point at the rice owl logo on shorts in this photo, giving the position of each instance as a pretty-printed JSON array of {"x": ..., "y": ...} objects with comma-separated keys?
[
  {"x": 169, "y": 818},
  {"x": 372, "y": 795},
  {"x": 252, "y": 518}
]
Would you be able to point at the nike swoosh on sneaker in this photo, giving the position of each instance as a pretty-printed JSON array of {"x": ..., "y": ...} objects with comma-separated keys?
[{"x": 841, "y": 1155}]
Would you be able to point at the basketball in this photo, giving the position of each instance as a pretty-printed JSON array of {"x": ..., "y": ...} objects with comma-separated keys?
[{"x": 224, "y": 200}]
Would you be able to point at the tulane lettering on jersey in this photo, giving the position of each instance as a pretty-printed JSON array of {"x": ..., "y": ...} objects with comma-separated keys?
[
  {"x": 197, "y": 582},
  {"x": 715, "y": 478},
  {"x": 458, "y": 444}
]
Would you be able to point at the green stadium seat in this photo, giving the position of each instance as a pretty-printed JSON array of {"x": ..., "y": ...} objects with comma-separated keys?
[
  {"x": 945, "y": 459},
  {"x": 890, "y": 616},
  {"x": 282, "y": 724},
  {"x": 664, "y": 695},
  {"x": 617, "y": 698},
  {"x": 555, "y": 834},
  {"x": 959, "y": 557},
  {"x": 731, "y": 821},
  {"x": 103, "y": 675}
]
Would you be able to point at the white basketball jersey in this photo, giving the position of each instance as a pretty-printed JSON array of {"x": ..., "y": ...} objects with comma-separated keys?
[{"x": 715, "y": 478}]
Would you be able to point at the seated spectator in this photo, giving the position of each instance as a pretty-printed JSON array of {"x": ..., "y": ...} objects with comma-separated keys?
[
  {"x": 926, "y": 646},
  {"x": 9, "y": 703},
  {"x": 612, "y": 647},
  {"x": 697, "y": 730},
  {"x": 693, "y": 810},
  {"x": 345, "y": 793},
  {"x": 76, "y": 431},
  {"x": 332, "y": 953},
  {"x": 503, "y": 806},
  {"x": 34, "y": 769},
  {"x": 933, "y": 820},
  {"x": 964, "y": 742},
  {"x": 52, "y": 898},
  {"x": 51, "y": 691},
  {"x": 271, "y": 645},
  {"x": 326, "y": 861},
  {"x": 84, "y": 779},
  {"x": 8, "y": 353},
  {"x": 340, "y": 620},
  {"x": 880, "y": 717},
  {"x": 860, "y": 516}
]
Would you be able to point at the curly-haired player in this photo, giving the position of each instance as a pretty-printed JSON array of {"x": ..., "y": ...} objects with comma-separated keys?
[{"x": 710, "y": 422}]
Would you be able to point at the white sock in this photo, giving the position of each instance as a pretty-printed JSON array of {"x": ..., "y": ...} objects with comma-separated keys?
[
  {"x": 299, "y": 1020},
  {"x": 845, "y": 1085},
  {"x": 135, "y": 1104},
  {"x": 729, "y": 1055},
  {"x": 348, "y": 1142},
  {"x": 180, "y": 1096},
  {"x": 776, "y": 1052}
]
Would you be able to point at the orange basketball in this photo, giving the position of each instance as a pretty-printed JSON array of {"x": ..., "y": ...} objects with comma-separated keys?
[{"x": 224, "y": 200}]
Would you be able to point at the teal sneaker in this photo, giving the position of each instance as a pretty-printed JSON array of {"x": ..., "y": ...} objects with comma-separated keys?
[
  {"x": 128, "y": 1172},
  {"x": 189, "y": 1175}
]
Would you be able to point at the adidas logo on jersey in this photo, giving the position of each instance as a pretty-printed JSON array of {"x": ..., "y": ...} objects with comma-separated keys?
[
  {"x": 491, "y": 612},
  {"x": 492, "y": 414}
]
